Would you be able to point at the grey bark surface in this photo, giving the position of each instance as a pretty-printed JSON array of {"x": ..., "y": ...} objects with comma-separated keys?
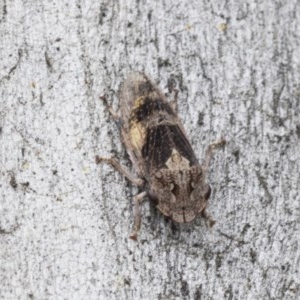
[{"x": 65, "y": 222}]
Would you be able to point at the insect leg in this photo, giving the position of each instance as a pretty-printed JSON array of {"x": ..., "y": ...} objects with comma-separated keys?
[
  {"x": 174, "y": 102},
  {"x": 111, "y": 161},
  {"x": 138, "y": 199},
  {"x": 208, "y": 218},
  {"x": 209, "y": 152},
  {"x": 112, "y": 112}
]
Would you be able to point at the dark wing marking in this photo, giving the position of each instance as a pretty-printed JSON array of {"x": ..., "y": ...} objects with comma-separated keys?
[
  {"x": 160, "y": 141},
  {"x": 148, "y": 108}
]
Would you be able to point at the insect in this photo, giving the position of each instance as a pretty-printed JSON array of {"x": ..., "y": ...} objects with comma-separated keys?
[{"x": 167, "y": 169}]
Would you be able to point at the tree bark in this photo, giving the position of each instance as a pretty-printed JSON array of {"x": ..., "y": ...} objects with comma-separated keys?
[{"x": 65, "y": 221}]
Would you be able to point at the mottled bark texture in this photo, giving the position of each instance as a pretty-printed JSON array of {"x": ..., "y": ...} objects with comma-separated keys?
[{"x": 65, "y": 222}]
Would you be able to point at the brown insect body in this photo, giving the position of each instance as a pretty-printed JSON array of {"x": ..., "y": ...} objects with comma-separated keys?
[{"x": 160, "y": 152}]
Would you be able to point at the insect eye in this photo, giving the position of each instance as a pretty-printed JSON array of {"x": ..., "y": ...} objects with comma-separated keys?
[
  {"x": 153, "y": 197},
  {"x": 208, "y": 192}
]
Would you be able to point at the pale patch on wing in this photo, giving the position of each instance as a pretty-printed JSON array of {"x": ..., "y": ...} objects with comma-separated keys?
[
  {"x": 137, "y": 131},
  {"x": 177, "y": 161},
  {"x": 137, "y": 135},
  {"x": 138, "y": 102}
]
